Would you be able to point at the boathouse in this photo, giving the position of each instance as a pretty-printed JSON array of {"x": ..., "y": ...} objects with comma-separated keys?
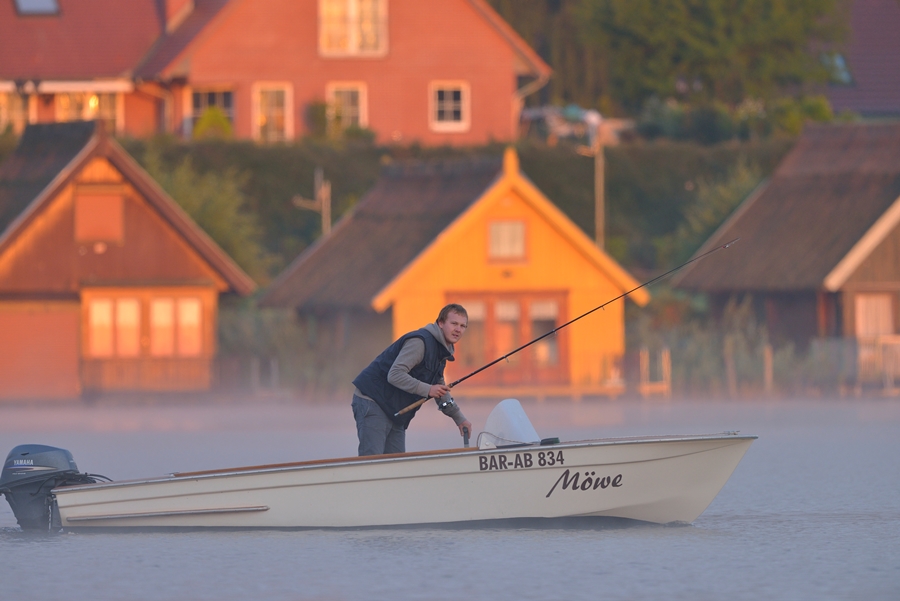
[
  {"x": 477, "y": 232},
  {"x": 106, "y": 284},
  {"x": 819, "y": 250}
]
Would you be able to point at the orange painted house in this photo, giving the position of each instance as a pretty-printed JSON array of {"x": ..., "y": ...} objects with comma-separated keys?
[
  {"x": 428, "y": 71},
  {"x": 479, "y": 233},
  {"x": 105, "y": 283}
]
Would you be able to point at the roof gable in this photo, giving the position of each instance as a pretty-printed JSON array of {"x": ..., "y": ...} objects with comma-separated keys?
[
  {"x": 826, "y": 207},
  {"x": 171, "y": 55},
  {"x": 167, "y": 58},
  {"x": 410, "y": 205},
  {"x": 511, "y": 181},
  {"x": 48, "y": 159},
  {"x": 405, "y": 217}
]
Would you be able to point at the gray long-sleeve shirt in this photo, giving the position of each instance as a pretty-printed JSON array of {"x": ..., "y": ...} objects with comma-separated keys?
[{"x": 411, "y": 354}]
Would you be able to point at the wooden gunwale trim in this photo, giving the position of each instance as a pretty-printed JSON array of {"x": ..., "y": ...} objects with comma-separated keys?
[
  {"x": 458, "y": 451},
  {"x": 272, "y": 466},
  {"x": 724, "y": 436}
]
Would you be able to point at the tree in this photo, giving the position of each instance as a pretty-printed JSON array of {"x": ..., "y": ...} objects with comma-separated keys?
[
  {"x": 705, "y": 50},
  {"x": 619, "y": 53},
  {"x": 215, "y": 202},
  {"x": 551, "y": 27}
]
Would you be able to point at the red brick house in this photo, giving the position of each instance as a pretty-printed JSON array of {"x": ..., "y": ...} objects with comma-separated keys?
[
  {"x": 428, "y": 71},
  {"x": 105, "y": 283}
]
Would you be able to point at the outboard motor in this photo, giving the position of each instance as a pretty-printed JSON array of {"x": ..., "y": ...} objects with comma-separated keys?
[{"x": 31, "y": 471}]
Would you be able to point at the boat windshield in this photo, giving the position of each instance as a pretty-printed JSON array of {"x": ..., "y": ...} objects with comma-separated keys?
[{"x": 507, "y": 425}]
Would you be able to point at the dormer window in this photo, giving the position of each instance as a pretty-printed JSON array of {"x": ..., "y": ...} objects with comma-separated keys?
[
  {"x": 838, "y": 70},
  {"x": 352, "y": 27},
  {"x": 506, "y": 240},
  {"x": 37, "y": 7}
]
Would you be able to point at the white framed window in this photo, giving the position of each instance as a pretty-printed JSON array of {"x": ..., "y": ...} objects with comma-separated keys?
[
  {"x": 190, "y": 330},
  {"x": 506, "y": 240},
  {"x": 89, "y": 106},
  {"x": 100, "y": 325},
  {"x": 352, "y": 27},
  {"x": 114, "y": 327},
  {"x": 347, "y": 105},
  {"x": 449, "y": 106},
  {"x": 13, "y": 112},
  {"x": 128, "y": 327},
  {"x": 201, "y": 100},
  {"x": 176, "y": 327},
  {"x": 874, "y": 315},
  {"x": 273, "y": 115}
]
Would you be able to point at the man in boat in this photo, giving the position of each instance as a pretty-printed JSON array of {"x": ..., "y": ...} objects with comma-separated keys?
[{"x": 410, "y": 369}]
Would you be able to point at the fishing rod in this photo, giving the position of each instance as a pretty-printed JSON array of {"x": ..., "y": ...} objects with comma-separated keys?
[{"x": 568, "y": 323}]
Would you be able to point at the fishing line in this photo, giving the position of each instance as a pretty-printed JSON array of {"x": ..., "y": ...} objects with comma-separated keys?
[{"x": 570, "y": 322}]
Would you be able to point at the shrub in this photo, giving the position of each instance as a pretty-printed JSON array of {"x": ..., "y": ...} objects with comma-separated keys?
[{"x": 213, "y": 124}]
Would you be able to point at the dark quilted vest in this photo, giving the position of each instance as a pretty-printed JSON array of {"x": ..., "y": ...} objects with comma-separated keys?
[{"x": 372, "y": 381}]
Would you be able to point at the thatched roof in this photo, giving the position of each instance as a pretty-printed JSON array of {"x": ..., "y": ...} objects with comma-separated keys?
[{"x": 795, "y": 229}]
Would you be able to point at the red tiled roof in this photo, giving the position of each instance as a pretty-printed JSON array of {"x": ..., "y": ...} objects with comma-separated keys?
[
  {"x": 159, "y": 60},
  {"x": 123, "y": 38},
  {"x": 86, "y": 40},
  {"x": 873, "y": 59}
]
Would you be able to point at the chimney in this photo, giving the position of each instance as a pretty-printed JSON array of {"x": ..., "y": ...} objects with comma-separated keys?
[{"x": 176, "y": 11}]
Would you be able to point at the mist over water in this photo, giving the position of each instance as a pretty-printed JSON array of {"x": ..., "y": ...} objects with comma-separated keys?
[{"x": 812, "y": 511}]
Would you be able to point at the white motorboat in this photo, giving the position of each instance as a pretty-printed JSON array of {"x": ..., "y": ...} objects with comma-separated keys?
[{"x": 510, "y": 474}]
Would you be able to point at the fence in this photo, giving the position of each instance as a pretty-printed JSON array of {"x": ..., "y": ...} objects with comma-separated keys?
[{"x": 830, "y": 365}]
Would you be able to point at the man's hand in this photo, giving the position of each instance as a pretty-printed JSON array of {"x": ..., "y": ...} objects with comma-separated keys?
[
  {"x": 465, "y": 424},
  {"x": 438, "y": 390}
]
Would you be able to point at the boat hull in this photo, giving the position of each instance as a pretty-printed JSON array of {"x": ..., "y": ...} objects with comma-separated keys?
[{"x": 662, "y": 480}]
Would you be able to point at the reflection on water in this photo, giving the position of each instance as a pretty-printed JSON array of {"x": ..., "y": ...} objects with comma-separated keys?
[{"x": 812, "y": 512}]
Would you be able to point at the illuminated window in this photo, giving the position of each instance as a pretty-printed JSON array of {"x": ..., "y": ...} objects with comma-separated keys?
[
  {"x": 87, "y": 106},
  {"x": 346, "y": 106},
  {"x": 100, "y": 325},
  {"x": 272, "y": 112},
  {"x": 176, "y": 327},
  {"x": 190, "y": 334},
  {"x": 506, "y": 240},
  {"x": 352, "y": 27},
  {"x": 99, "y": 218},
  {"x": 162, "y": 327},
  {"x": 128, "y": 327},
  {"x": 449, "y": 106},
  {"x": 13, "y": 112},
  {"x": 114, "y": 327},
  {"x": 37, "y": 7}
]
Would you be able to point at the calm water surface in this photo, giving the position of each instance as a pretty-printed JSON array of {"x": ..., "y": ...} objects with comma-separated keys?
[{"x": 812, "y": 512}]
